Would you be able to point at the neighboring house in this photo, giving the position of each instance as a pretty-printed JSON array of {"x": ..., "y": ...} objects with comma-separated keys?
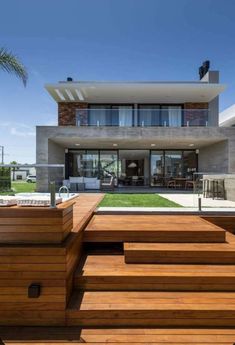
[
  {"x": 20, "y": 174},
  {"x": 227, "y": 117},
  {"x": 142, "y": 133}
]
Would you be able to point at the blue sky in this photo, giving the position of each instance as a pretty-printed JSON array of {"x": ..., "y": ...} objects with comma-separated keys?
[{"x": 105, "y": 40}]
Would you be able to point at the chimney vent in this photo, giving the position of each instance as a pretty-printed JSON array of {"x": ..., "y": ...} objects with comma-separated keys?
[{"x": 204, "y": 68}]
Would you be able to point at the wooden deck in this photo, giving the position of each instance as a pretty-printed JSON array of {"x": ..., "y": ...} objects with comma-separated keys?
[
  {"x": 152, "y": 228},
  {"x": 103, "y": 298},
  {"x": 115, "y": 336}
]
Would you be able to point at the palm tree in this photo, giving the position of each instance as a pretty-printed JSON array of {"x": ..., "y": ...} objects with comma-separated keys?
[{"x": 11, "y": 64}]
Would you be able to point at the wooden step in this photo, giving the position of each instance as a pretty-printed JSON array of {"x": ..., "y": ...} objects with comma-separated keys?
[
  {"x": 159, "y": 309},
  {"x": 152, "y": 228},
  {"x": 144, "y": 336},
  {"x": 180, "y": 253},
  {"x": 110, "y": 272}
]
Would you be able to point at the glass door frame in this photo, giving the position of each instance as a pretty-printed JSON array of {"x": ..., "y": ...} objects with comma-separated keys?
[{"x": 164, "y": 159}]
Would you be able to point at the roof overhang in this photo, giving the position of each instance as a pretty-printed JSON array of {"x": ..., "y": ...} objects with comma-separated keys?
[
  {"x": 227, "y": 117},
  {"x": 134, "y": 92}
]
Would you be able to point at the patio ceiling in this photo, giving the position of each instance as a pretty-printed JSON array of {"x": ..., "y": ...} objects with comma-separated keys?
[
  {"x": 134, "y": 92},
  {"x": 154, "y": 144}
]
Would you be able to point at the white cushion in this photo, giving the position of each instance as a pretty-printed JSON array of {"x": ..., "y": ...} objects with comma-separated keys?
[
  {"x": 91, "y": 183},
  {"x": 66, "y": 183},
  {"x": 90, "y": 179},
  {"x": 76, "y": 179}
]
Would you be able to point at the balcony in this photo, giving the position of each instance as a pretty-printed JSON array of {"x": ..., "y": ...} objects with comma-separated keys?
[{"x": 144, "y": 117}]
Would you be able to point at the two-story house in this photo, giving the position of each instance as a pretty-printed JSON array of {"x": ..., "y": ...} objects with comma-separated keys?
[{"x": 141, "y": 133}]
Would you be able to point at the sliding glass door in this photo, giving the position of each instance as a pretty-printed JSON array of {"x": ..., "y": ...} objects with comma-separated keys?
[
  {"x": 111, "y": 115},
  {"x": 169, "y": 164},
  {"x": 157, "y": 168},
  {"x": 160, "y": 115}
]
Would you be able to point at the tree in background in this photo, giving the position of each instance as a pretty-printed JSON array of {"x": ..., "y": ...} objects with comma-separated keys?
[
  {"x": 11, "y": 64},
  {"x": 13, "y": 170}
]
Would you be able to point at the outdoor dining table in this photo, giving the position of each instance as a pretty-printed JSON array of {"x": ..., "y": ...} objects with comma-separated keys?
[{"x": 180, "y": 181}]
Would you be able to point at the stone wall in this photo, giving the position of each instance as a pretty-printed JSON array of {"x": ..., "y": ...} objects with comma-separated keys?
[{"x": 67, "y": 113}]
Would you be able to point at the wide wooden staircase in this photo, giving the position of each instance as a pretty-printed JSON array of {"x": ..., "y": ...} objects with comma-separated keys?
[{"x": 175, "y": 274}]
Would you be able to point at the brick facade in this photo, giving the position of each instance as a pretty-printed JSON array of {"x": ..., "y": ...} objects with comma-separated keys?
[
  {"x": 195, "y": 118},
  {"x": 67, "y": 113}
]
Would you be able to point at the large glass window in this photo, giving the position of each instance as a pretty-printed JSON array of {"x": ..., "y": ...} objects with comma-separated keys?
[
  {"x": 111, "y": 115},
  {"x": 108, "y": 164},
  {"x": 99, "y": 115},
  {"x": 157, "y": 168},
  {"x": 84, "y": 163},
  {"x": 149, "y": 115},
  {"x": 171, "y": 116},
  {"x": 160, "y": 115},
  {"x": 189, "y": 164},
  {"x": 173, "y": 164}
]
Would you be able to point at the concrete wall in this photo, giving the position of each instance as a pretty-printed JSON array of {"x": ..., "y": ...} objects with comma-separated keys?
[
  {"x": 47, "y": 152},
  {"x": 56, "y": 155},
  {"x": 214, "y": 158},
  {"x": 216, "y": 144},
  {"x": 213, "y": 119}
]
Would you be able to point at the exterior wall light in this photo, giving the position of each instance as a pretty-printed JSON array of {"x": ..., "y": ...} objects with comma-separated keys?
[{"x": 34, "y": 291}]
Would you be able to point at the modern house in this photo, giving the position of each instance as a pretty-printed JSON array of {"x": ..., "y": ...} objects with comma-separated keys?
[{"x": 141, "y": 133}]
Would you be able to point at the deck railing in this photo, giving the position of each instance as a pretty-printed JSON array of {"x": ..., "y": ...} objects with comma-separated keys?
[{"x": 128, "y": 117}]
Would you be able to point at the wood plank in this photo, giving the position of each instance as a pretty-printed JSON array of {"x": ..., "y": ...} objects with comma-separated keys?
[
  {"x": 60, "y": 335},
  {"x": 188, "y": 253},
  {"x": 225, "y": 222},
  {"x": 110, "y": 272},
  {"x": 152, "y": 228}
]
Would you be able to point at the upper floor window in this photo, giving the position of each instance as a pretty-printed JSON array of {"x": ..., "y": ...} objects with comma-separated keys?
[
  {"x": 110, "y": 115},
  {"x": 160, "y": 115}
]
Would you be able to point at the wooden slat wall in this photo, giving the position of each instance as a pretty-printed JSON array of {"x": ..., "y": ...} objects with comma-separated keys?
[
  {"x": 36, "y": 225},
  {"x": 39, "y": 247}
]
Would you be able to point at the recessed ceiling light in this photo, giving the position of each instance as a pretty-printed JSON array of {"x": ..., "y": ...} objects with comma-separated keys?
[
  {"x": 77, "y": 144},
  {"x": 115, "y": 144},
  {"x": 191, "y": 144},
  {"x": 153, "y": 145}
]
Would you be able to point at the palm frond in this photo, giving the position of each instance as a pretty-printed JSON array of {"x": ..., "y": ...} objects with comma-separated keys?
[{"x": 11, "y": 64}]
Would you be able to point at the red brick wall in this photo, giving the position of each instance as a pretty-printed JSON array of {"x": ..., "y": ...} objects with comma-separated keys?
[
  {"x": 195, "y": 118},
  {"x": 67, "y": 113}
]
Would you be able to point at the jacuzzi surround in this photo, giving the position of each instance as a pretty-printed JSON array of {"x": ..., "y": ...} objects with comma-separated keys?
[
  {"x": 7, "y": 201},
  {"x": 34, "y": 199}
]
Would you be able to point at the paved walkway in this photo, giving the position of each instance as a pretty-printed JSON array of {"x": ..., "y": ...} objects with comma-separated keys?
[{"x": 191, "y": 200}]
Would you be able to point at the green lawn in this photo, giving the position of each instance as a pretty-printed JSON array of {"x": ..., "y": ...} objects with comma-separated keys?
[
  {"x": 23, "y": 187},
  {"x": 136, "y": 200},
  {"x": 20, "y": 187}
]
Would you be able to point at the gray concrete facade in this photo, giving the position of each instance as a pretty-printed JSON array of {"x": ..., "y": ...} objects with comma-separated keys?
[{"x": 216, "y": 145}]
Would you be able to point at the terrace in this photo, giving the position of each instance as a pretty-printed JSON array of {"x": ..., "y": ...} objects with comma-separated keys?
[{"x": 94, "y": 271}]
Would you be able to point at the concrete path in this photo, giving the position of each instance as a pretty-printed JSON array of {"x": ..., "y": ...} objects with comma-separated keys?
[{"x": 191, "y": 200}]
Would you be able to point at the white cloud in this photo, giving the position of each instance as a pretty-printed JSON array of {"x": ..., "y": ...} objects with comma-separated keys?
[
  {"x": 22, "y": 132},
  {"x": 19, "y": 129}
]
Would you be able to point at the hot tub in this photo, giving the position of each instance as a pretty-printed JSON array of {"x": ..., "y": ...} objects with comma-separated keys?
[{"x": 35, "y": 199}]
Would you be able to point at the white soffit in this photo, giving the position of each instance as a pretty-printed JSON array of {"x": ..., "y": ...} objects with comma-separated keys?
[{"x": 134, "y": 92}]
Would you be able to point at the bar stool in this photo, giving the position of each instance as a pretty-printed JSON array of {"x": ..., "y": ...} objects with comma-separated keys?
[
  {"x": 218, "y": 190},
  {"x": 206, "y": 188}
]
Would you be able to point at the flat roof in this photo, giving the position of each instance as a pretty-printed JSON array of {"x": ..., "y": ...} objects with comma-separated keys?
[
  {"x": 134, "y": 91},
  {"x": 227, "y": 116}
]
